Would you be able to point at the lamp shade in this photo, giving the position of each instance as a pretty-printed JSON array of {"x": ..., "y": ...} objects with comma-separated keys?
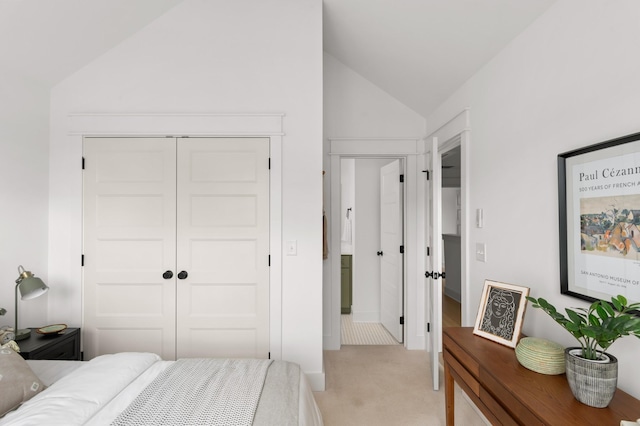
[
  {"x": 29, "y": 288},
  {"x": 32, "y": 287}
]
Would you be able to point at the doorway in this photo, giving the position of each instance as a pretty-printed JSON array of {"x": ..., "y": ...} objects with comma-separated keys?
[
  {"x": 372, "y": 267},
  {"x": 451, "y": 230},
  {"x": 409, "y": 151}
]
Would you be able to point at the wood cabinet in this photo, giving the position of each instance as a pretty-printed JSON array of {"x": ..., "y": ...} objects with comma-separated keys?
[
  {"x": 346, "y": 295},
  {"x": 509, "y": 394},
  {"x": 62, "y": 346}
]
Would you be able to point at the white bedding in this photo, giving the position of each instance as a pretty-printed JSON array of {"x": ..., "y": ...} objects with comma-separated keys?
[
  {"x": 50, "y": 371},
  {"x": 97, "y": 391}
]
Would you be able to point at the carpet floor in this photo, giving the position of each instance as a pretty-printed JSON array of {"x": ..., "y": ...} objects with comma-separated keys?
[{"x": 385, "y": 386}]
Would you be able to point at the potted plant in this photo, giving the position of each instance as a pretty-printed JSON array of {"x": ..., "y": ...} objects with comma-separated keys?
[{"x": 592, "y": 373}]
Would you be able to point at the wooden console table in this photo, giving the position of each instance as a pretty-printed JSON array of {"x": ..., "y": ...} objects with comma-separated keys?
[{"x": 509, "y": 394}]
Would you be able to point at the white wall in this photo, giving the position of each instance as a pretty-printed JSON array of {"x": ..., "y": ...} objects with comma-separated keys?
[
  {"x": 450, "y": 210},
  {"x": 356, "y": 108},
  {"x": 570, "y": 80},
  {"x": 226, "y": 56},
  {"x": 24, "y": 173}
]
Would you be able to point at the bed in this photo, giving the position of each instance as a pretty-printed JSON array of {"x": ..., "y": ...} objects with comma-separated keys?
[{"x": 142, "y": 389}]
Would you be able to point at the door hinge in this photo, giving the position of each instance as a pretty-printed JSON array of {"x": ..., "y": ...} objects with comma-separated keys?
[
  {"x": 402, "y": 320},
  {"x": 402, "y": 249},
  {"x": 82, "y": 260},
  {"x": 269, "y": 165},
  {"x": 428, "y": 251},
  {"x": 82, "y": 163},
  {"x": 401, "y": 178},
  {"x": 269, "y": 355},
  {"x": 269, "y": 261},
  {"x": 427, "y": 173},
  {"x": 428, "y": 327}
]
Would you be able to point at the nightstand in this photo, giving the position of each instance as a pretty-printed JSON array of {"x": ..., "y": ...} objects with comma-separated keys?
[{"x": 65, "y": 345}]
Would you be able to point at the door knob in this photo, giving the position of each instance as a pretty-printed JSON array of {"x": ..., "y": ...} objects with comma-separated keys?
[
  {"x": 167, "y": 275},
  {"x": 433, "y": 274},
  {"x": 182, "y": 275}
]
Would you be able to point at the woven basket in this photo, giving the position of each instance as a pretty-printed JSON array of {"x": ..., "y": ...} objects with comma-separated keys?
[
  {"x": 541, "y": 355},
  {"x": 592, "y": 382}
]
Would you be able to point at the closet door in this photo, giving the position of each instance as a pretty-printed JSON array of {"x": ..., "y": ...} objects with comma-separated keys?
[
  {"x": 223, "y": 247},
  {"x": 129, "y": 242}
]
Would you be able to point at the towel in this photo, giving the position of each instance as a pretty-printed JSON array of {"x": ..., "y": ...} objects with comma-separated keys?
[{"x": 346, "y": 231}]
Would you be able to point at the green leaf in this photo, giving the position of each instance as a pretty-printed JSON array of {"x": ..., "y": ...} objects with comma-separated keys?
[
  {"x": 632, "y": 325},
  {"x": 605, "y": 309},
  {"x": 571, "y": 327},
  {"x": 575, "y": 317},
  {"x": 623, "y": 300}
]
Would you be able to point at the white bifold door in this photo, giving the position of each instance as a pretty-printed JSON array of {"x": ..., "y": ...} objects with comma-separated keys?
[{"x": 176, "y": 246}]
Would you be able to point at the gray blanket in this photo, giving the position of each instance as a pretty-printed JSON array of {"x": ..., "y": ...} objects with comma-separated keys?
[{"x": 207, "y": 392}]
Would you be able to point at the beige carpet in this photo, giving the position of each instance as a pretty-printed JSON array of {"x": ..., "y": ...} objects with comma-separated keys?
[
  {"x": 384, "y": 386},
  {"x": 364, "y": 333}
]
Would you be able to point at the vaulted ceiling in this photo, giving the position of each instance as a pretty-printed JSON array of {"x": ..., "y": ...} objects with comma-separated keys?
[{"x": 419, "y": 51}]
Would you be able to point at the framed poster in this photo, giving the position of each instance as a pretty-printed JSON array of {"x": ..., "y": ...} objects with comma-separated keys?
[
  {"x": 501, "y": 312},
  {"x": 599, "y": 207}
]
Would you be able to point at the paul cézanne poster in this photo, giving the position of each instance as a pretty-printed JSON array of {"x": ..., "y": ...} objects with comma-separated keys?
[{"x": 601, "y": 220}]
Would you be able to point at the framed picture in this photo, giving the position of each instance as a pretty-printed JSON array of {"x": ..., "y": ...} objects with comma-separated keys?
[
  {"x": 501, "y": 312},
  {"x": 599, "y": 212}
]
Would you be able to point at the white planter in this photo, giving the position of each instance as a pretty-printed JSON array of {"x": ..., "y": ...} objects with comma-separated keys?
[{"x": 593, "y": 382}]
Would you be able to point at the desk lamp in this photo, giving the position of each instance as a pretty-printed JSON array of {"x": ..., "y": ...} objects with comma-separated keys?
[{"x": 30, "y": 288}]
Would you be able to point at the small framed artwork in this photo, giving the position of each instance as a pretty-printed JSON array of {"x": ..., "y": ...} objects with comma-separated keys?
[{"x": 501, "y": 312}]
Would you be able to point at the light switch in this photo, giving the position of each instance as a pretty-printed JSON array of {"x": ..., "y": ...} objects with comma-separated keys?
[
  {"x": 292, "y": 248},
  {"x": 481, "y": 252}
]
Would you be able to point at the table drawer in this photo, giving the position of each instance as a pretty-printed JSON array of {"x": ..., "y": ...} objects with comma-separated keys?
[
  {"x": 462, "y": 356},
  {"x": 466, "y": 378},
  {"x": 65, "y": 349},
  {"x": 60, "y": 347}
]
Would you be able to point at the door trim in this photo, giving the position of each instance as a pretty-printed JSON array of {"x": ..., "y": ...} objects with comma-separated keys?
[
  {"x": 457, "y": 131},
  {"x": 124, "y": 124},
  {"x": 408, "y": 150}
]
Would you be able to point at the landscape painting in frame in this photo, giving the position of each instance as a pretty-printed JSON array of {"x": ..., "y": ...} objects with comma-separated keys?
[
  {"x": 501, "y": 312},
  {"x": 599, "y": 200}
]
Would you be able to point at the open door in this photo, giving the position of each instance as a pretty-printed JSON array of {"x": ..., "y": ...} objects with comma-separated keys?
[
  {"x": 390, "y": 254},
  {"x": 434, "y": 260}
]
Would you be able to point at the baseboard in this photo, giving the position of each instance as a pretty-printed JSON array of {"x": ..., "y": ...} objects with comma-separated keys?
[{"x": 454, "y": 294}]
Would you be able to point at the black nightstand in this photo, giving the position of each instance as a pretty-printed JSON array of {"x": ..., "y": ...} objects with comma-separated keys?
[{"x": 65, "y": 345}]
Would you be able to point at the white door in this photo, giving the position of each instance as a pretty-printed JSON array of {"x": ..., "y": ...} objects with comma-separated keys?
[
  {"x": 129, "y": 241},
  {"x": 176, "y": 246},
  {"x": 434, "y": 261},
  {"x": 391, "y": 238},
  {"x": 223, "y": 246}
]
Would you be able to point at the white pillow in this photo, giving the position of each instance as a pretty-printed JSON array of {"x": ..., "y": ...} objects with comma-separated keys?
[{"x": 18, "y": 383}]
